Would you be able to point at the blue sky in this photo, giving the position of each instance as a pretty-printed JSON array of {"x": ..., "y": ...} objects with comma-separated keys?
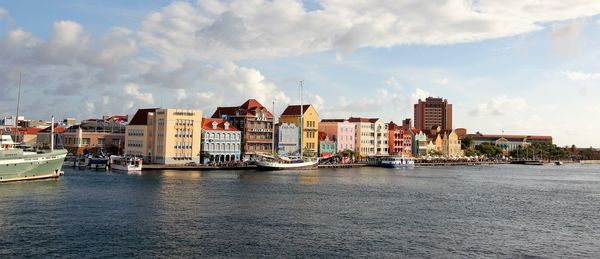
[{"x": 522, "y": 67}]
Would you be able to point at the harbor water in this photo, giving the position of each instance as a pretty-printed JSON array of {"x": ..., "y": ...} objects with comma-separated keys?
[{"x": 479, "y": 211}]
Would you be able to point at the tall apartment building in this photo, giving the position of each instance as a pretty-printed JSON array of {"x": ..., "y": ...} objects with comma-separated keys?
[
  {"x": 371, "y": 136},
  {"x": 309, "y": 128},
  {"x": 433, "y": 112},
  {"x": 256, "y": 124},
  {"x": 165, "y": 136}
]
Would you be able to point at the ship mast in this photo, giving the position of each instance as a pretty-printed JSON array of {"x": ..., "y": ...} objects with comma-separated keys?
[
  {"x": 18, "y": 103},
  {"x": 52, "y": 135},
  {"x": 301, "y": 119},
  {"x": 273, "y": 132}
]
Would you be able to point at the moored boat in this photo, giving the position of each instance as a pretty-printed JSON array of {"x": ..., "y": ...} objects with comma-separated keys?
[
  {"x": 286, "y": 163},
  {"x": 19, "y": 165},
  {"x": 397, "y": 162},
  {"x": 126, "y": 163}
]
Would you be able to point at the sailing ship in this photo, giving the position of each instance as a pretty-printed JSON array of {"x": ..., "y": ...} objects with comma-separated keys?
[{"x": 288, "y": 163}]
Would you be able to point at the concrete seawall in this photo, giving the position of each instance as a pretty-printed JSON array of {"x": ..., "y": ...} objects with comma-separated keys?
[{"x": 589, "y": 162}]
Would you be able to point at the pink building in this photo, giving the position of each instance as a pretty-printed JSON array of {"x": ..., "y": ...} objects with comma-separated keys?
[{"x": 341, "y": 131}]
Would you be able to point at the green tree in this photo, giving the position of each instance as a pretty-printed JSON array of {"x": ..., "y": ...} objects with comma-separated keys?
[
  {"x": 489, "y": 149},
  {"x": 471, "y": 152},
  {"x": 466, "y": 143}
]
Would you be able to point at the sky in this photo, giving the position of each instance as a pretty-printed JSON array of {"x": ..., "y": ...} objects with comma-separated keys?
[{"x": 514, "y": 66}]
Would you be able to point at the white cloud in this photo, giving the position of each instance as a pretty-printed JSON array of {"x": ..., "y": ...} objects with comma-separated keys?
[
  {"x": 441, "y": 81},
  {"x": 578, "y": 76},
  {"x": 566, "y": 39},
  {"x": 418, "y": 94},
  {"x": 500, "y": 105},
  {"x": 134, "y": 96},
  {"x": 180, "y": 94},
  {"x": 242, "y": 29}
]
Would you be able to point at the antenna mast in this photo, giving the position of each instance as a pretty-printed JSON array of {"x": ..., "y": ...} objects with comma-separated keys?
[
  {"x": 301, "y": 118},
  {"x": 18, "y": 103},
  {"x": 273, "y": 128}
]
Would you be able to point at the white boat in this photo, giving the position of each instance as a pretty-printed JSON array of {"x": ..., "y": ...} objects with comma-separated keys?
[
  {"x": 285, "y": 163},
  {"x": 126, "y": 163},
  {"x": 397, "y": 162}
]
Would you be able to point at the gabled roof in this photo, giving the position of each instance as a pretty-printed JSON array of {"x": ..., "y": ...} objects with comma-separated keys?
[
  {"x": 247, "y": 108},
  {"x": 207, "y": 124},
  {"x": 57, "y": 129},
  {"x": 224, "y": 111},
  {"x": 294, "y": 110},
  {"x": 141, "y": 116}
]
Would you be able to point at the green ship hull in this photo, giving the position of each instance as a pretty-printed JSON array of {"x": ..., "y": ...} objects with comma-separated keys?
[{"x": 16, "y": 165}]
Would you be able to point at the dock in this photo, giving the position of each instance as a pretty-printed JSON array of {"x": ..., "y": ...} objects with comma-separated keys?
[
  {"x": 459, "y": 163},
  {"x": 341, "y": 165}
]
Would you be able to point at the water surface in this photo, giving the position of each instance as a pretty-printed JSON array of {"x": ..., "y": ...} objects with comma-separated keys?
[{"x": 487, "y": 211}]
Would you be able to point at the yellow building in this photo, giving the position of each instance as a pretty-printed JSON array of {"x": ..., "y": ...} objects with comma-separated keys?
[
  {"x": 165, "y": 136},
  {"x": 452, "y": 146},
  {"x": 310, "y": 127}
]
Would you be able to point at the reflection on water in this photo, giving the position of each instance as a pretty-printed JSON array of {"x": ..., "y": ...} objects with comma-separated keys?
[{"x": 489, "y": 211}]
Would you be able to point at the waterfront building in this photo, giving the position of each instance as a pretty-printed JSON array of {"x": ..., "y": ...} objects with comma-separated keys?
[
  {"x": 407, "y": 124},
  {"x": 419, "y": 143},
  {"x": 221, "y": 142},
  {"x": 508, "y": 142},
  {"x": 92, "y": 135},
  {"x": 439, "y": 143},
  {"x": 165, "y": 136},
  {"x": 287, "y": 139},
  {"x": 10, "y": 121},
  {"x": 371, "y": 136},
  {"x": 433, "y": 112},
  {"x": 342, "y": 131},
  {"x": 327, "y": 146},
  {"x": 309, "y": 128},
  {"x": 44, "y": 137},
  {"x": 23, "y": 136},
  {"x": 407, "y": 143},
  {"x": 256, "y": 124},
  {"x": 395, "y": 139},
  {"x": 139, "y": 135},
  {"x": 451, "y": 144}
]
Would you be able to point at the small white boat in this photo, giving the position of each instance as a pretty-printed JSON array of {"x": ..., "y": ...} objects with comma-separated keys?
[
  {"x": 126, "y": 163},
  {"x": 558, "y": 163},
  {"x": 397, "y": 162},
  {"x": 285, "y": 163}
]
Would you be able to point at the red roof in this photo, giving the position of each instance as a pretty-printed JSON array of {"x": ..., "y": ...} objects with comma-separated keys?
[
  {"x": 207, "y": 124},
  {"x": 371, "y": 120},
  {"x": 333, "y": 120},
  {"x": 141, "y": 116},
  {"x": 56, "y": 129},
  {"x": 26, "y": 131},
  {"x": 247, "y": 108},
  {"x": 294, "y": 110}
]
